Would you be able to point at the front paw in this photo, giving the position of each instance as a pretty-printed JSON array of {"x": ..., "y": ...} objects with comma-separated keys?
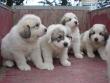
[
  {"x": 80, "y": 56},
  {"x": 66, "y": 63},
  {"x": 8, "y": 63},
  {"x": 25, "y": 67},
  {"x": 103, "y": 57},
  {"x": 41, "y": 66},
  {"x": 48, "y": 66},
  {"x": 90, "y": 55}
]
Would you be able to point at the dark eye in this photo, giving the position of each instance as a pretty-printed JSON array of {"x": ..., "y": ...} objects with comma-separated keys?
[
  {"x": 93, "y": 32},
  {"x": 69, "y": 36},
  {"x": 60, "y": 36},
  {"x": 101, "y": 34},
  {"x": 37, "y": 25},
  {"x": 69, "y": 19}
]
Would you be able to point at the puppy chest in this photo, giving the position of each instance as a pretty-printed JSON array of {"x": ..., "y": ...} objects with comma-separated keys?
[
  {"x": 56, "y": 55},
  {"x": 96, "y": 46},
  {"x": 57, "y": 52},
  {"x": 26, "y": 49}
]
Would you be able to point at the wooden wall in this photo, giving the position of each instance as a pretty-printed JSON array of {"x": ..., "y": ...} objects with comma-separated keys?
[
  {"x": 6, "y": 21},
  {"x": 53, "y": 14},
  {"x": 100, "y": 16}
]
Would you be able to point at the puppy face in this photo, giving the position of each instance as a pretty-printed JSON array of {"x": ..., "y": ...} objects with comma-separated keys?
[
  {"x": 98, "y": 33},
  {"x": 60, "y": 39},
  {"x": 31, "y": 27},
  {"x": 70, "y": 19}
]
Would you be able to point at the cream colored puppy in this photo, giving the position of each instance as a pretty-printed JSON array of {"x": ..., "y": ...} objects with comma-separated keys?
[
  {"x": 55, "y": 43},
  {"x": 107, "y": 49},
  {"x": 70, "y": 20},
  {"x": 20, "y": 42},
  {"x": 95, "y": 39}
]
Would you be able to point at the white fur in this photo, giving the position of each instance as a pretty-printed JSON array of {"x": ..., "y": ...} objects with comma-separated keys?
[
  {"x": 16, "y": 49},
  {"x": 107, "y": 49},
  {"x": 50, "y": 49},
  {"x": 74, "y": 31},
  {"x": 89, "y": 44}
]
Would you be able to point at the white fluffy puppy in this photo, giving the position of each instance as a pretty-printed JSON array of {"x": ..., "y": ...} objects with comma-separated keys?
[
  {"x": 55, "y": 43},
  {"x": 70, "y": 20},
  {"x": 107, "y": 49},
  {"x": 95, "y": 39},
  {"x": 20, "y": 42}
]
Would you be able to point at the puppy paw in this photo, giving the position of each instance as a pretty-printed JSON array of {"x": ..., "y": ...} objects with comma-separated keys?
[
  {"x": 80, "y": 56},
  {"x": 66, "y": 63},
  {"x": 91, "y": 55},
  {"x": 8, "y": 63},
  {"x": 103, "y": 57},
  {"x": 41, "y": 66},
  {"x": 25, "y": 67},
  {"x": 48, "y": 66}
]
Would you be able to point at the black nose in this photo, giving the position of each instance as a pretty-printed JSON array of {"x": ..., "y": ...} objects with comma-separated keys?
[
  {"x": 96, "y": 39},
  {"x": 65, "y": 44},
  {"x": 45, "y": 30},
  {"x": 76, "y": 22}
]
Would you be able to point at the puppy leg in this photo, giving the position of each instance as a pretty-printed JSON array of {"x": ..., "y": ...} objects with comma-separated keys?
[
  {"x": 48, "y": 58},
  {"x": 90, "y": 51},
  {"x": 102, "y": 53},
  {"x": 37, "y": 58},
  {"x": 76, "y": 48},
  {"x": 64, "y": 58},
  {"x": 108, "y": 69},
  {"x": 21, "y": 61},
  {"x": 107, "y": 51}
]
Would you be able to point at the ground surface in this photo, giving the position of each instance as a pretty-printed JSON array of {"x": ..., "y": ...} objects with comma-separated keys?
[{"x": 82, "y": 71}]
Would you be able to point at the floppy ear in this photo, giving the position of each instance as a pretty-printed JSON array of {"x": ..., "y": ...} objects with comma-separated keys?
[
  {"x": 64, "y": 20},
  {"x": 51, "y": 38},
  {"x": 90, "y": 33},
  {"x": 26, "y": 33},
  {"x": 106, "y": 35},
  {"x": 53, "y": 35}
]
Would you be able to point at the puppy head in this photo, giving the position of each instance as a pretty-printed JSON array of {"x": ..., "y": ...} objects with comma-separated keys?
[
  {"x": 70, "y": 19},
  {"x": 98, "y": 33},
  {"x": 30, "y": 26},
  {"x": 59, "y": 37}
]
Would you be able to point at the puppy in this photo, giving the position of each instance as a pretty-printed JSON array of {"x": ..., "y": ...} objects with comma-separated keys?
[
  {"x": 107, "y": 50},
  {"x": 20, "y": 42},
  {"x": 70, "y": 20},
  {"x": 55, "y": 43},
  {"x": 95, "y": 39}
]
